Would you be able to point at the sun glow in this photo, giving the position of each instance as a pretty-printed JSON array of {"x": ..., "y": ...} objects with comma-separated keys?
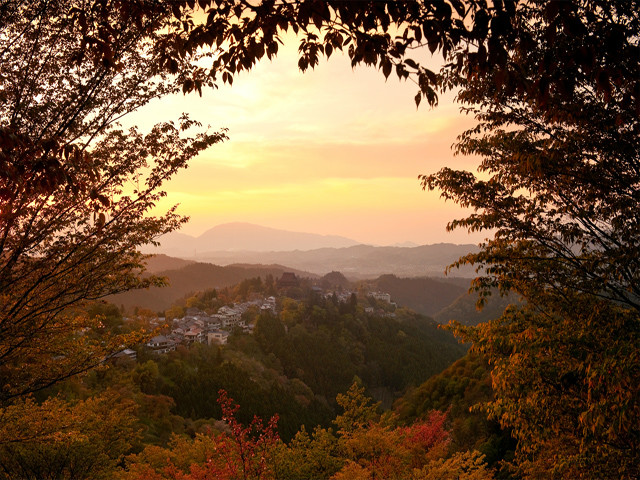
[{"x": 331, "y": 151}]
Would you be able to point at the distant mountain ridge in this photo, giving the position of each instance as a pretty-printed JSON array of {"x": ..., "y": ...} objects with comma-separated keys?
[
  {"x": 244, "y": 243},
  {"x": 359, "y": 261},
  {"x": 236, "y": 237}
]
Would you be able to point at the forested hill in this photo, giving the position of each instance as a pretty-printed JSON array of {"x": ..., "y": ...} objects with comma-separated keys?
[
  {"x": 464, "y": 309},
  {"x": 191, "y": 278},
  {"x": 296, "y": 362},
  {"x": 424, "y": 295},
  {"x": 441, "y": 298}
]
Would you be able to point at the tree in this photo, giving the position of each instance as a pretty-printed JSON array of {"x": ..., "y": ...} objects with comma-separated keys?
[
  {"x": 313, "y": 457},
  {"x": 372, "y": 447},
  {"x": 76, "y": 191},
  {"x": 461, "y": 466},
  {"x": 558, "y": 136},
  {"x": 238, "y": 453},
  {"x": 58, "y": 251},
  {"x": 55, "y": 439}
]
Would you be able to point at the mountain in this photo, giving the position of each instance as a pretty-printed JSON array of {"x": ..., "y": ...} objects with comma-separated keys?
[
  {"x": 363, "y": 261},
  {"x": 334, "y": 280},
  {"x": 245, "y": 243},
  {"x": 160, "y": 263},
  {"x": 236, "y": 237}
]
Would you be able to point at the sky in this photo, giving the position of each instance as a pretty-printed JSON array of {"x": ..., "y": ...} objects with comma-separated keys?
[{"x": 333, "y": 151}]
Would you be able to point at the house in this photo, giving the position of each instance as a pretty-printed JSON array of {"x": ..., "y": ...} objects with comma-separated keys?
[
  {"x": 161, "y": 344},
  {"x": 194, "y": 335},
  {"x": 195, "y": 312},
  {"x": 199, "y": 322},
  {"x": 230, "y": 316},
  {"x": 269, "y": 304},
  {"x": 157, "y": 321},
  {"x": 178, "y": 332},
  {"x": 385, "y": 297},
  {"x": 127, "y": 353},
  {"x": 212, "y": 322},
  {"x": 217, "y": 336}
]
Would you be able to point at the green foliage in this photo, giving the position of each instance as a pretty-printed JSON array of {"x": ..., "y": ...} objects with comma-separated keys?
[
  {"x": 108, "y": 314},
  {"x": 465, "y": 309},
  {"x": 358, "y": 410},
  {"x": 269, "y": 332},
  {"x": 326, "y": 347},
  {"x": 189, "y": 376},
  {"x": 175, "y": 311},
  {"x": 239, "y": 452},
  {"x": 312, "y": 457},
  {"x": 366, "y": 447}
]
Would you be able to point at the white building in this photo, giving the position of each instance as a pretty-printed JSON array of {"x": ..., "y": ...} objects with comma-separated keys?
[{"x": 217, "y": 336}]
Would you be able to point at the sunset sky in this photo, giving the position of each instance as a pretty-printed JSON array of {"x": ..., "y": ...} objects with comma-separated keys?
[{"x": 331, "y": 151}]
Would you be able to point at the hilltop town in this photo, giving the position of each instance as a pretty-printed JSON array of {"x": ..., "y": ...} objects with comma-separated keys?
[{"x": 200, "y": 326}]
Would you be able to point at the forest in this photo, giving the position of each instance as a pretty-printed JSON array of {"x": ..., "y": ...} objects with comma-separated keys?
[
  {"x": 306, "y": 387},
  {"x": 552, "y": 383}
]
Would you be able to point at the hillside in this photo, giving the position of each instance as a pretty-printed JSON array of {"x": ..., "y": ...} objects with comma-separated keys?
[
  {"x": 424, "y": 295},
  {"x": 458, "y": 388},
  {"x": 192, "y": 278},
  {"x": 464, "y": 310},
  {"x": 161, "y": 263}
]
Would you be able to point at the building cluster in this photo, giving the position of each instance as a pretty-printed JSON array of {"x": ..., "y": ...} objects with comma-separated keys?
[
  {"x": 198, "y": 326},
  {"x": 343, "y": 296},
  {"x": 384, "y": 297}
]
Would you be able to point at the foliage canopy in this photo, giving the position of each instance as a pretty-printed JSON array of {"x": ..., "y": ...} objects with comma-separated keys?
[{"x": 554, "y": 86}]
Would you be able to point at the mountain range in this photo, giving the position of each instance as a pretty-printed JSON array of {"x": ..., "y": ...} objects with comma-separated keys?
[
  {"x": 245, "y": 243},
  {"x": 237, "y": 237},
  {"x": 359, "y": 261}
]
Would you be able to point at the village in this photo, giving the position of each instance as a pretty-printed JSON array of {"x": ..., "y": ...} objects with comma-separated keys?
[{"x": 198, "y": 326}]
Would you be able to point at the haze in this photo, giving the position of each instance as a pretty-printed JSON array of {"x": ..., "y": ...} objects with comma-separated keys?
[{"x": 333, "y": 151}]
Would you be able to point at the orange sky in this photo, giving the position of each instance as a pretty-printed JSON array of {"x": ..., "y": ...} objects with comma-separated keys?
[{"x": 330, "y": 151}]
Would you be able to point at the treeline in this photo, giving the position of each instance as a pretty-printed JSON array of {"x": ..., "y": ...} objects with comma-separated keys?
[{"x": 189, "y": 279}]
